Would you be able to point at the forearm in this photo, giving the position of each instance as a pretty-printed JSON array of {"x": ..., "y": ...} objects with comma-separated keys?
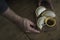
[{"x": 9, "y": 14}]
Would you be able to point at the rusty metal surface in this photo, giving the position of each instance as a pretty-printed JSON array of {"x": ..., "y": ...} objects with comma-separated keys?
[{"x": 26, "y": 8}]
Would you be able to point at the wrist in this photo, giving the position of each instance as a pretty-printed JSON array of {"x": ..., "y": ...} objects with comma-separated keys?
[{"x": 20, "y": 21}]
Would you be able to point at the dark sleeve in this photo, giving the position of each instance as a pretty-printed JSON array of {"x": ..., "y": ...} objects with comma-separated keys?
[{"x": 3, "y": 6}]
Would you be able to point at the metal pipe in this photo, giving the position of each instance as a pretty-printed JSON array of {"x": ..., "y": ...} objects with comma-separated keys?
[{"x": 46, "y": 17}]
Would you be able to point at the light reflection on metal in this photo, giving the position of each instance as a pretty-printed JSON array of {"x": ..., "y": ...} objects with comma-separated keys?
[{"x": 46, "y": 17}]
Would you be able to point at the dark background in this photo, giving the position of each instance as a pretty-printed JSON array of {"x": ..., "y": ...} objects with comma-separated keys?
[{"x": 26, "y": 8}]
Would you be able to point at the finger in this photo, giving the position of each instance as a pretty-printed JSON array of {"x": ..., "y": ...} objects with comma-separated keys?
[
  {"x": 33, "y": 30},
  {"x": 32, "y": 24}
]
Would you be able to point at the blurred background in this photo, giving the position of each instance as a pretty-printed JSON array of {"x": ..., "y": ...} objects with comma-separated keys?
[{"x": 26, "y": 8}]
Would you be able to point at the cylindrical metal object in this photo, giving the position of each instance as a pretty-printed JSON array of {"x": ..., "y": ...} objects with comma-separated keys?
[
  {"x": 39, "y": 10},
  {"x": 50, "y": 22},
  {"x": 46, "y": 17}
]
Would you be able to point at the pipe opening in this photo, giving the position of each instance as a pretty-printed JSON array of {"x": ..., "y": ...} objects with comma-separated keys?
[{"x": 50, "y": 22}]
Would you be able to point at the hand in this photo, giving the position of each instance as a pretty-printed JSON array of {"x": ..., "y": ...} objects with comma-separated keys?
[
  {"x": 19, "y": 21},
  {"x": 27, "y": 26}
]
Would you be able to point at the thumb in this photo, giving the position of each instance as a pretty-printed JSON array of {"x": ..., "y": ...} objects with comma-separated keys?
[{"x": 33, "y": 30}]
